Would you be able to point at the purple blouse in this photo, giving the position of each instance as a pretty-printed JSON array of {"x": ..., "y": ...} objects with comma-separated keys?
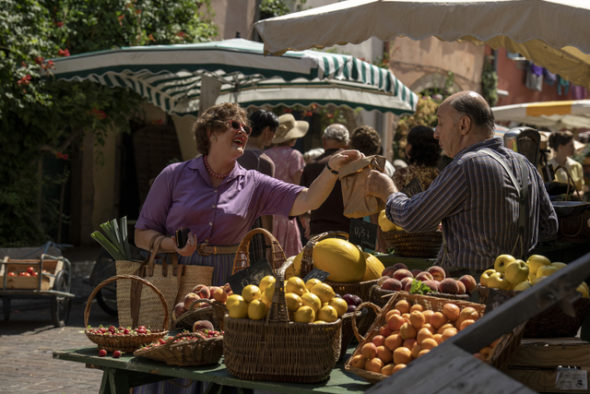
[{"x": 183, "y": 196}]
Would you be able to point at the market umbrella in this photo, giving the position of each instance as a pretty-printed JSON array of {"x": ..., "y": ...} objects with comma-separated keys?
[
  {"x": 172, "y": 77},
  {"x": 551, "y": 33},
  {"x": 555, "y": 115}
]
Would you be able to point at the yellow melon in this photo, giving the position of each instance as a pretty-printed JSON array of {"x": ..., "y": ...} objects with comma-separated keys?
[
  {"x": 374, "y": 267},
  {"x": 295, "y": 268},
  {"x": 342, "y": 259}
]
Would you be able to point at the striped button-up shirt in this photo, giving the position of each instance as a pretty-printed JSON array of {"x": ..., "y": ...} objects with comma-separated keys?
[{"x": 478, "y": 206}]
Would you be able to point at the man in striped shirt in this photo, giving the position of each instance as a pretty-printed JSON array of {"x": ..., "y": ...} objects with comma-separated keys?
[{"x": 477, "y": 196}]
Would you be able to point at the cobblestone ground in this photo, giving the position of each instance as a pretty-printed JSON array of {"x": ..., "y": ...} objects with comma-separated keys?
[{"x": 29, "y": 338}]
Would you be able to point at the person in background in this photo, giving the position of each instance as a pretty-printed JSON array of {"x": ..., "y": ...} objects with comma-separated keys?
[
  {"x": 288, "y": 168},
  {"x": 264, "y": 125},
  {"x": 423, "y": 153},
  {"x": 312, "y": 154},
  {"x": 328, "y": 216},
  {"x": 475, "y": 196},
  {"x": 366, "y": 140},
  {"x": 562, "y": 143}
]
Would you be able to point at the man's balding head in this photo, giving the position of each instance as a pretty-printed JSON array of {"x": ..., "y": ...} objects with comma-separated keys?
[{"x": 473, "y": 105}]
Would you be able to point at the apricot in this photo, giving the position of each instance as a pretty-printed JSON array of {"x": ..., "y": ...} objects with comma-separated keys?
[
  {"x": 395, "y": 322},
  {"x": 444, "y": 327},
  {"x": 403, "y": 306},
  {"x": 392, "y": 312},
  {"x": 385, "y": 331},
  {"x": 423, "y": 352},
  {"x": 423, "y": 333},
  {"x": 393, "y": 341},
  {"x": 357, "y": 361},
  {"x": 449, "y": 332},
  {"x": 397, "y": 367},
  {"x": 416, "y": 307},
  {"x": 410, "y": 343},
  {"x": 451, "y": 311},
  {"x": 374, "y": 365},
  {"x": 427, "y": 313},
  {"x": 438, "y": 338},
  {"x": 388, "y": 369},
  {"x": 402, "y": 355},
  {"x": 437, "y": 319},
  {"x": 384, "y": 354},
  {"x": 429, "y": 327},
  {"x": 406, "y": 316},
  {"x": 428, "y": 343},
  {"x": 465, "y": 323},
  {"x": 407, "y": 331},
  {"x": 369, "y": 350},
  {"x": 378, "y": 340},
  {"x": 469, "y": 312},
  {"x": 417, "y": 319}
]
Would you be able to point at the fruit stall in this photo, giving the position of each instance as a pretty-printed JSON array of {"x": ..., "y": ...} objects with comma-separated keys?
[{"x": 337, "y": 318}]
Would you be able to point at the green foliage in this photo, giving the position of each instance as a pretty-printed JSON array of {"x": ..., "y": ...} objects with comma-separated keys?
[
  {"x": 42, "y": 118},
  {"x": 272, "y": 8},
  {"x": 489, "y": 81}
]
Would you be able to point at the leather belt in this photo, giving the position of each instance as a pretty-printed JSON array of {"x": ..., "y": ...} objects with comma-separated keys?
[{"x": 207, "y": 250}]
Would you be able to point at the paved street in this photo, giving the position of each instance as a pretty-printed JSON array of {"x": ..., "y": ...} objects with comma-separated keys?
[{"x": 28, "y": 339}]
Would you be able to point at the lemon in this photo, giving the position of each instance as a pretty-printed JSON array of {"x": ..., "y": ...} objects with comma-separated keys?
[
  {"x": 238, "y": 308},
  {"x": 328, "y": 314},
  {"x": 295, "y": 285},
  {"x": 324, "y": 291},
  {"x": 233, "y": 299},
  {"x": 340, "y": 305},
  {"x": 257, "y": 310},
  {"x": 251, "y": 293},
  {"x": 293, "y": 301},
  {"x": 267, "y": 294},
  {"x": 311, "y": 283},
  {"x": 267, "y": 281},
  {"x": 305, "y": 314},
  {"x": 319, "y": 322},
  {"x": 312, "y": 301}
]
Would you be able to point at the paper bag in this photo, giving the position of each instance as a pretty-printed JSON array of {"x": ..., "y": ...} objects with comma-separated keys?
[{"x": 353, "y": 180}]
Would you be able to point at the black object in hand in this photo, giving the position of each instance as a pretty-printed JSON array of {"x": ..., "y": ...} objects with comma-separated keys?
[{"x": 181, "y": 237}]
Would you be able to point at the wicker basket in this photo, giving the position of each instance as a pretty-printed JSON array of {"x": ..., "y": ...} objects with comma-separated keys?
[
  {"x": 187, "y": 319},
  {"x": 125, "y": 343},
  {"x": 379, "y": 296},
  {"x": 506, "y": 344},
  {"x": 276, "y": 349},
  {"x": 204, "y": 351},
  {"x": 406, "y": 244}
]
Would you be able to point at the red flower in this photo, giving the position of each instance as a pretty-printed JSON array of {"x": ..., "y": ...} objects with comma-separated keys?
[
  {"x": 62, "y": 156},
  {"x": 63, "y": 52},
  {"x": 39, "y": 59},
  {"x": 49, "y": 64},
  {"x": 180, "y": 34},
  {"x": 59, "y": 24},
  {"x": 24, "y": 80},
  {"x": 98, "y": 114}
]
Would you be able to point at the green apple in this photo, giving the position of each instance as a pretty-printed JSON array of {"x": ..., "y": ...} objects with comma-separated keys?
[
  {"x": 516, "y": 271},
  {"x": 483, "y": 279},
  {"x": 534, "y": 262},
  {"x": 502, "y": 261},
  {"x": 497, "y": 281},
  {"x": 559, "y": 265},
  {"x": 546, "y": 270},
  {"x": 525, "y": 284}
]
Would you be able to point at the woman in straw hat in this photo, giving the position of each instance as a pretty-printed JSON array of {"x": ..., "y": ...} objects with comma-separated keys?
[
  {"x": 217, "y": 199},
  {"x": 289, "y": 165}
]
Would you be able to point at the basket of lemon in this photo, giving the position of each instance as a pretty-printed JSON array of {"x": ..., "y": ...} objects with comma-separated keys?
[{"x": 279, "y": 330}]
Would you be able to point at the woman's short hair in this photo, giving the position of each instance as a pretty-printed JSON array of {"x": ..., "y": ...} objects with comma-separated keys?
[
  {"x": 424, "y": 149},
  {"x": 260, "y": 119},
  {"x": 366, "y": 139},
  {"x": 560, "y": 137},
  {"x": 213, "y": 119}
]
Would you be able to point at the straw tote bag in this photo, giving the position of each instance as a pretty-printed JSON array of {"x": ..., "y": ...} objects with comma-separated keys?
[
  {"x": 353, "y": 180},
  {"x": 136, "y": 307}
]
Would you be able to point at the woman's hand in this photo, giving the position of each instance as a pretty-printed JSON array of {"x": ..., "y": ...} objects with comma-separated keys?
[
  {"x": 380, "y": 185},
  {"x": 189, "y": 248},
  {"x": 341, "y": 158}
]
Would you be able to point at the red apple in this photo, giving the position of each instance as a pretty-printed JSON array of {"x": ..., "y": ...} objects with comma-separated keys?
[
  {"x": 424, "y": 276},
  {"x": 391, "y": 284},
  {"x": 437, "y": 272},
  {"x": 402, "y": 273},
  {"x": 469, "y": 282}
]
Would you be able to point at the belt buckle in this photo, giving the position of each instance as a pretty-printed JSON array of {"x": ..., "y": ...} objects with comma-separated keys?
[{"x": 202, "y": 250}]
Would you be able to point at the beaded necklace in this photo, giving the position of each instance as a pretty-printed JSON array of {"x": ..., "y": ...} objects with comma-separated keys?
[{"x": 213, "y": 173}]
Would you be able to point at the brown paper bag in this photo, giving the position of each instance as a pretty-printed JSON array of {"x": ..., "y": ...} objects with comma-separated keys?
[{"x": 353, "y": 180}]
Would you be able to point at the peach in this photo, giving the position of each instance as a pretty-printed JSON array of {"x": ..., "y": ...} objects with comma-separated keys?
[
  {"x": 384, "y": 354},
  {"x": 402, "y": 273},
  {"x": 399, "y": 366},
  {"x": 403, "y": 306},
  {"x": 190, "y": 299},
  {"x": 424, "y": 276},
  {"x": 369, "y": 350},
  {"x": 407, "y": 283},
  {"x": 402, "y": 355},
  {"x": 202, "y": 325},
  {"x": 387, "y": 370},
  {"x": 415, "y": 271},
  {"x": 417, "y": 319},
  {"x": 391, "y": 284},
  {"x": 393, "y": 341},
  {"x": 202, "y": 290},
  {"x": 437, "y": 272},
  {"x": 357, "y": 361},
  {"x": 433, "y": 284},
  {"x": 461, "y": 287},
  {"x": 218, "y": 294},
  {"x": 451, "y": 311},
  {"x": 374, "y": 365},
  {"x": 407, "y": 331},
  {"x": 394, "y": 268},
  {"x": 378, "y": 340},
  {"x": 227, "y": 289},
  {"x": 395, "y": 322},
  {"x": 449, "y": 286},
  {"x": 469, "y": 282},
  {"x": 179, "y": 309}
]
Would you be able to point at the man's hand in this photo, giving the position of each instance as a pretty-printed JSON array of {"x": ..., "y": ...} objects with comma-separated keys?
[
  {"x": 341, "y": 158},
  {"x": 380, "y": 185}
]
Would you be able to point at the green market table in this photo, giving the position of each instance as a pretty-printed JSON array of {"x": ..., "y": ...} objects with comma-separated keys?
[{"x": 120, "y": 374}]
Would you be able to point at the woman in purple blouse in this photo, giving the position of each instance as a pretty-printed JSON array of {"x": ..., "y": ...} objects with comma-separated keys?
[{"x": 217, "y": 199}]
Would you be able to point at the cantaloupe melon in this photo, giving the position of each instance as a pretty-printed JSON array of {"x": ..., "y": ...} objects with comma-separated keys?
[
  {"x": 343, "y": 260},
  {"x": 295, "y": 268},
  {"x": 374, "y": 267}
]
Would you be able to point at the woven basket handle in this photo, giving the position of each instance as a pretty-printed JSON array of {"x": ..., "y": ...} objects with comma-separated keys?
[
  {"x": 358, "y": 309},
  {"x": 201, "y": 301},
  {"x": 306, "y": 259},
  {"x": 242, "y": 257},
  {"x": 278, "y": 307},
  {"x": 130, "y": 277}
]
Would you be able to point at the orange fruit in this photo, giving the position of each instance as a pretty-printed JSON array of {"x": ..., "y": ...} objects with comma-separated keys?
[
  {"x": 402, "y": 355},
  {"x": 384, "y": 354},
  {"x": 374, "y": 365},
  {"x": 393, "y": 341},
  {"x": 403, "y": 306},
  {"x": 451, "y": 311}
]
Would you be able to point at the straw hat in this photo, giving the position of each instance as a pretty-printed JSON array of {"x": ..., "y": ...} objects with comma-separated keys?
[{"x": 289, "y": 129}]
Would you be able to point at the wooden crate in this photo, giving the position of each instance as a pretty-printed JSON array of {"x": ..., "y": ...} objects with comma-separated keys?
[
  {"x": 535, "y": 364},
  {"x": 52, "y": 267}
]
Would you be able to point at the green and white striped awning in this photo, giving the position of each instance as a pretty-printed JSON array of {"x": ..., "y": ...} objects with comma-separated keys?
[{"x": 170, "y": 77}]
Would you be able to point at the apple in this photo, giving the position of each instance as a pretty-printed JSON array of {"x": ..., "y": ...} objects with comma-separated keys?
[
  {"x": 485, "y": 276},
  {"x": 402, "y": 273},
  {"x": 502, "y": 261},
  {"x": 583, "y": 289},
  {"x": 190, "y": 299},
  {"x": 498, "y": 281},
  {"x": 546, "y": 270},
  {"x": 11, "y": 273},
  {"x": 391, "y": 284},
  {"x": 437, "y": 272},
  {"x": 102, "y": 353},
  {"x": 30, "y": 270},
  {"x": 534, "y": 262},
  {"x": 424, "y": 276},
  {"x": 525, "y": 284},
  {"x": 516, "y": 271},
  {"x": 559, "y": 265},
  {"x": 116, "y": 354},
  {"x": 469, "y": 283}
]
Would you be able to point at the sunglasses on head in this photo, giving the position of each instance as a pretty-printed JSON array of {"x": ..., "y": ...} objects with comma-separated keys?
[{"x": 238, "y": 126}]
